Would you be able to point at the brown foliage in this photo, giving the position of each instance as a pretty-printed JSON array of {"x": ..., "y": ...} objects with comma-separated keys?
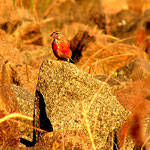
[
  {"x": 143, "y": 33},
  {"x": 124, "y": 24},
  {"x": 9, "y": 52},
  {"x": 7, "y": 95},
  {"x": 141, "y": 36},
  {"x": 8, "y": 16},
  {"x": 143, "y": 41},
  {"x": 79, "y": 43},
  {"x": 19, "y": 73},
  {"x": 8, "y": 130},
  {"x": 93, "y": 51},
  {"x": 134, "y": 94},
  {"x": 132, "y": 97},
  {"x": 62, "y": 140},
  {"x": 29, "y": 33},
  {"x": 134, "y": 126},
  {"x": 105, "y": 59}
]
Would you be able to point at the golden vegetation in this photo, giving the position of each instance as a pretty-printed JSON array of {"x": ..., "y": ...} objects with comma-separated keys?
[{"x": 27, "y": 24}]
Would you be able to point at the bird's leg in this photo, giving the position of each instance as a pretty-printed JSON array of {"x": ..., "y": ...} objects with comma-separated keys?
[{"x": 68, "y": 60}]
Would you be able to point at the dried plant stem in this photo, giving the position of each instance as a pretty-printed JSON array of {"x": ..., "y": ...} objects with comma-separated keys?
[
  {"x": 95, "y": 122},
  {"x": 35, "y": 11},
  {"x": 19, "y": 2},
  {"x": 84, "y": 112},
  {"x": 144, "y": 144},
  {"x": 95, "y": 95},
  {"x": 47, "y": 20},
  {"x": 31, "y": 126},
  {"x": 112, "y": 37},
  {"x": 85, "y": 64},
  {"x": 112, "y": 57},
  {"x": 49, "y": 8},
  {"x": 88, "y": 127},
  {"x": 15, "y": 115},
  {"x": 63, "y": 141}
]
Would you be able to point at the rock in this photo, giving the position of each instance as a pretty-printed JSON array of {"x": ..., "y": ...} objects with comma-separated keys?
[
  {"x": 11, "y": 17},
  {"x": 99, "y": 18},
  {"x": 19, "y": 73},
  {"x": 116, "y": 82},
  {"x": 124, "y": 24},
  {"x": 8, "y": 52},
  {"x": 7, "y": 97},
  {"x": 143, "y": 32},
  {"x": 137, "y": 69},
  {"x": 8, "y": 17},
  {"x": 25, "y": 100},
  {"x": 34, "y": 56},
  {"x": 13, "y": 100},
  {"x": 135, "y": 94},
  {"x": 111, "y": 81},
  {"x": 26, "y": 75},
  {"x": 76, "y": 104},
  {"x": 29, "y": 33},
  {"x": 9, "y": 129}
]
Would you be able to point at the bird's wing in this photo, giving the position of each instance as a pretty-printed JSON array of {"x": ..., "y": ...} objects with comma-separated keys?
[{"x": 70, "y": 45}]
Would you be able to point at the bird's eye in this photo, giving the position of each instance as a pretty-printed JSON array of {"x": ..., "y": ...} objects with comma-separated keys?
[{"x": 57, "y": 33}]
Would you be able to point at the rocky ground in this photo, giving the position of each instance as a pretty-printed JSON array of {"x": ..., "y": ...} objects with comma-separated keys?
[{"x": 101, "y": 102}]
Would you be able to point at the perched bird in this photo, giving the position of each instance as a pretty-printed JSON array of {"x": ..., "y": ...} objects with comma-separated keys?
[{"x": 61, "y": 46}]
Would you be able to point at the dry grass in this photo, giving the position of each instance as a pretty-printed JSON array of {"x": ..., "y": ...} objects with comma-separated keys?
[
  {"x": 70, "y": 30},
  {"x": 107, "y": 46},
  {"x": 146, "y": 141},
  {"x": 15, "y": 115}
]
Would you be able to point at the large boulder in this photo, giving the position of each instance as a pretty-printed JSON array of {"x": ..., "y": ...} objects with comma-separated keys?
[
  {"x": 76, "y": 104},
  {"x": 25, "y": 100}
]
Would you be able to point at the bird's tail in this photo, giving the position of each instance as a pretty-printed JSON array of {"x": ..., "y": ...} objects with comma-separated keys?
[{"x": 70, "y": 60}]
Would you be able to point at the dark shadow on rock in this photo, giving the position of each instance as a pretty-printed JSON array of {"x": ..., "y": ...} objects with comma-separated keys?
[
  {"x": 115, "y": 145},
  {"x": 45, "y": 123}
]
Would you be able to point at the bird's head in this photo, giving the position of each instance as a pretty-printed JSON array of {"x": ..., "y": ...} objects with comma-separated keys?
[{"x": 58, "y": 35}]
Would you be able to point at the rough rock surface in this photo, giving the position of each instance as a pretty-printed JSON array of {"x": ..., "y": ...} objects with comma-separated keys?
[
  {"x": 77, "y": 103},
  {"x": 137, "y": 69},
  {"x": 25, "y": 100}
]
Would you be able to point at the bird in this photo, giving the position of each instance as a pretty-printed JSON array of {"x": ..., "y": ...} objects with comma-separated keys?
[{"x": 61, "y": 47}]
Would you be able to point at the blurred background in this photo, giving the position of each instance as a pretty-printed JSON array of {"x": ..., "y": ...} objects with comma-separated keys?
[
  {"x": 90, "y": 25},
  {"x": 59, "y": 14},
  {"x": 110, "y": 40}
]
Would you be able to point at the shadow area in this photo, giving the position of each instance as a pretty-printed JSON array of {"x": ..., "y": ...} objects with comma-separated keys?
[{"x": 45, "y": 123}]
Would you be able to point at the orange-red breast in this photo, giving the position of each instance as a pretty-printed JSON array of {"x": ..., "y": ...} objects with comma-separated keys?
[{"x": 61, "y": 46}]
